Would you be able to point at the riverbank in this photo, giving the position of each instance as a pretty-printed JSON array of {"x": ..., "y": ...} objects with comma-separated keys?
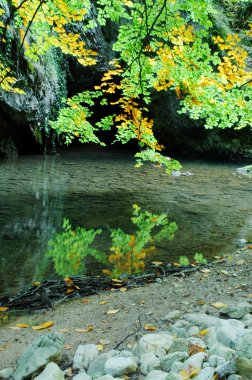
[{"x": 109, "y": 317}]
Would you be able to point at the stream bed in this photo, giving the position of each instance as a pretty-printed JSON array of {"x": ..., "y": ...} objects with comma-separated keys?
[{"x": 96, "y": 189}]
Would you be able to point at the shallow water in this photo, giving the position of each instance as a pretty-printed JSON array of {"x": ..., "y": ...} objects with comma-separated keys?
[{"x": 93, "y": 188}]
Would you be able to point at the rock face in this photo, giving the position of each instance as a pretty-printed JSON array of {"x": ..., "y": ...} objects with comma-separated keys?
[
  {"x": 47, "y": 348},
  {"x": 188, "y": 137}
]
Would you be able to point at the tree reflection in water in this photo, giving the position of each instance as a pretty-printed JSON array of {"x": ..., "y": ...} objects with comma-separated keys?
[{"x": 70, "y": 248}]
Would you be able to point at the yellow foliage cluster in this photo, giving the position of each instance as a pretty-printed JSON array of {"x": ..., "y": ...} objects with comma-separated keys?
[
  {"x": 232, "y": 70},
  {"x": 57, "y": 18},
  {"x": 7, "y": 81},
  {"x": 131, "y": 261}
]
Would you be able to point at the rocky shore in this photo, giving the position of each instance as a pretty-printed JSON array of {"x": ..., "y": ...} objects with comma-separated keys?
[{"x": 199, "y": 326}]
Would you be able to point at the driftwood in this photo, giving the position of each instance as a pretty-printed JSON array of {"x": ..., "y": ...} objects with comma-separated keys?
[{"x": 49, "y": 293}]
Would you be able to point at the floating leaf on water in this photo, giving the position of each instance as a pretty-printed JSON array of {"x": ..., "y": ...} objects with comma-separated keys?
[
  {"x": 43, "y": 326},
  {"x": 112, "y": 311},
  {"x": 219, "y": 305}
]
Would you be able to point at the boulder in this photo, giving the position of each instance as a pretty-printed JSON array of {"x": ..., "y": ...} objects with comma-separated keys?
[
  {"x": 51, "y": 372},
  {"x": 45, "y": 349}
]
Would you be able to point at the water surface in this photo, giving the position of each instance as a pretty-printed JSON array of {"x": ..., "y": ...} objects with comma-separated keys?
[{"x": 94, "y": 188}]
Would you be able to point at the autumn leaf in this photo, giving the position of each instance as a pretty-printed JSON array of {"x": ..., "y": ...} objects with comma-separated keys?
[
  {"x": 112, "y": 311},
  {"x": 63, "y": 330},
  {"x": 3, "y": 309},
  {"x": 219, "y": 305},
  {"x": 67, "y": 347},
  {"x": 80, "y": 330},
  {"x": 194, "y": 349},
  {"x": 22, "y": 325},
  {"x": 103, "y": 302},
  {"x": 224, "y": 272},
  {"x": 189, "y": 373},
  {"x": 69, "y": 291},
  {"x": 203, "y": 332},
  {"x": 86, "y": 300},
  {"x": 90, "y": 328},
  {"x": 123, "y": 290},
  {"x": 43, "y": 326},
  {"x": 68, "y": 281},
  {"x": 100, "y": 347},
  {"x": 149, "y": 327}
]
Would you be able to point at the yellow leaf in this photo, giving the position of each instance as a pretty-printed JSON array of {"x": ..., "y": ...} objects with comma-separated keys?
[
  {"x": 36, "y": 283},
  {"x": 86, "y": 300},
  {"x": 100, "y": 347},
  {"x": 112, "y": 311},
  {"x": 149, "y": 327},
  {"x": 68, "y": 281},
  {"x": 43, "y": 326},
  {"x": 123, "y": 290},
  {"x": 224, "y": 272},
  {"x": 157, "y": 262},
  {"x": 203, "y": 332},
  {"x": 205, "y": 270},
  {"x": 103, "y": 302},
  {"x": 90, "y": 328},
  {"x": 22, "y": 325},
  {"x": 3, "y": 308},
  {"x": 69, "y": 291},
  {"x": 63, "y": 330},
  {"x": 219, "y": 305},
  {"x": 79, "y": 330}
]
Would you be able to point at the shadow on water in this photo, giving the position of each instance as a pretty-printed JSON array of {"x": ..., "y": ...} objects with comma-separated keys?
[{"x": 212, "y": 208}]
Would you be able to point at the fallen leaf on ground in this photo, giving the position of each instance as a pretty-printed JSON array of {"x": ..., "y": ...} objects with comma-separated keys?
[
  {"x": 123, "y": 290},
  {"x": 103, "y": 302},
  {"x": 43, "y": 326},
  {"x": 203, "y": 332},
  {"x": 86, "y": 300},
  {"x": 36, "y": 283},
  {"x": 224, "y": 272},
  {"x": 67, "y": 347},
  {"x": 157, "y": 262},
  {"x": 68, "y": 281},
  {"x": 205, "y": 270},
  {"x": 104, "y": 342},
  {"x": 194, "y": 349},
  {"x": 69, "y": 291},
  {"x": 22, "y": 325},
  {"x": 149, "y": 327},
  {"x": 100, "y": 347},
  {"x": 112, "y": 311},
  {"x": 3, "y": 309},
  {"x": 80, "y": 330},
  {"x": 189, "y": 373},
  {"x": 176, "y": 264},
  {"x": 219, "y": 305},
  {"x": 63, "y": 330},
  {"x": 90, "y": 328}
]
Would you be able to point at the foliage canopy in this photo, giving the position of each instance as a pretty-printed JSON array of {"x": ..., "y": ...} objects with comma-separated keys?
[{"x": 161, "y": 45}]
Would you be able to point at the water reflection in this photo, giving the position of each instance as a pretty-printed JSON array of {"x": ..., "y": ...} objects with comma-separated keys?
[
  {"x": 70, "y": 248},
  {"x": 96, "y": 189}
]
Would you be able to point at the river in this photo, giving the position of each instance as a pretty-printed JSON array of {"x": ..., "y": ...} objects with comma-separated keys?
[{"x": 97, "y": 188}]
